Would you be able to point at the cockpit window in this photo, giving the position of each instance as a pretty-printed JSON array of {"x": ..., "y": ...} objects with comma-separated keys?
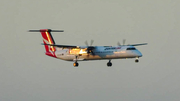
[{"x": 131, "y": 49}]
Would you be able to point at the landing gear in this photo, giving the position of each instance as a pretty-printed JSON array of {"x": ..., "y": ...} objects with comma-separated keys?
[
  {"x": 75, "y": 64},
  {"x": 109, "y": 64},
  {"x": 137, "y": 60}
]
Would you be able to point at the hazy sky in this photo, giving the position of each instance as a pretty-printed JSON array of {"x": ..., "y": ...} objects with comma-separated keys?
[{"x": 26, "y": 74}]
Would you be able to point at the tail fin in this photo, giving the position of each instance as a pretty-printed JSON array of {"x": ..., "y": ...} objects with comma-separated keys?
[{"x": 48, "y": 39}]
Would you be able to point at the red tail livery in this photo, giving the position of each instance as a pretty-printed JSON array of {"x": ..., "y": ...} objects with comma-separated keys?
[{"x": 48, "y": 40}]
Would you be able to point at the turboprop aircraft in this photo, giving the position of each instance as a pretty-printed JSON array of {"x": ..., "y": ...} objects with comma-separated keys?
[{"x": 88, "y": 52}]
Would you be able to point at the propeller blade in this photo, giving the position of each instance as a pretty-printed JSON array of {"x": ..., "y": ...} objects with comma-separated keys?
[
  {"x": 118, "y": 43},
  {"x": 124, "y": 40},
  {"x": 86, "y": 43},
  {"x": 91, "y": 42}
]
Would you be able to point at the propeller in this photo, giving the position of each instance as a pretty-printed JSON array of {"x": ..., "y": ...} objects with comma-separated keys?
[
  {"x": 90, "y": 43},
  {"x": 90, "y": 48}
]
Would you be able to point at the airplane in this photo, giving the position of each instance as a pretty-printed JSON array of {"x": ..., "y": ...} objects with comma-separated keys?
[{"x": 84, "y": 53}]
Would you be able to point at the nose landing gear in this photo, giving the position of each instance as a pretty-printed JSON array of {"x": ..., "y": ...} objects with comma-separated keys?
[{"x": 137, "y": 60}]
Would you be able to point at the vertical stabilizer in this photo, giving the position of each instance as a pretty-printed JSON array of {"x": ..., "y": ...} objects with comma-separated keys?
[{"x": 48, "y": 39}]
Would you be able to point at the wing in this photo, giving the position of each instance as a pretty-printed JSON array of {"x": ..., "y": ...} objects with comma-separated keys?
[
  {"x": 138, "y": 44},
  {"x": 62, "y": 46},
  {"x": 89, "y": 48}
]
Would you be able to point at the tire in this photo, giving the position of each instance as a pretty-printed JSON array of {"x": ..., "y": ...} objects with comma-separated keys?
[
  {"x": 109, "y": 64},
  {"x": 136, "y": 60},
  {"x": 75, "y": 64}
]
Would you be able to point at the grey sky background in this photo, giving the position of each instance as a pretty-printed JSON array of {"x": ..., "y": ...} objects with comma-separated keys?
[{"x": 26, "y": 74}]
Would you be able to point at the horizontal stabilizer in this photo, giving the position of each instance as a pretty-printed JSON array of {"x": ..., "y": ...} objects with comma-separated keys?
[{"x": 46, "y": 30}]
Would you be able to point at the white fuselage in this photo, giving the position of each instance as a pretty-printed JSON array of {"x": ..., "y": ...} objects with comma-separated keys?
[{"x": 100, "y": 52}]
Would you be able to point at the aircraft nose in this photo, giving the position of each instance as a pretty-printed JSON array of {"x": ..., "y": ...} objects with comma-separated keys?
[{"x": 138, "y": 54}]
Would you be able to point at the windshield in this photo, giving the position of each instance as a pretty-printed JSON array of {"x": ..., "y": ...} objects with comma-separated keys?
[{"x": 131, "y": 48}]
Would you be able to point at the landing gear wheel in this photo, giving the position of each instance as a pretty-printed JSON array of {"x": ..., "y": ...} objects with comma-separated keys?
[
  {"x": 75, "y": 64},
  {"x": 109, "y": 64},
  {"x": 136, "y": 60}
]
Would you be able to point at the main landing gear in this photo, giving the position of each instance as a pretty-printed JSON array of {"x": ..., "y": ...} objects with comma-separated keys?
[
  {"x": 109, "y": 64},
  {"x": 76, "y": 64}
]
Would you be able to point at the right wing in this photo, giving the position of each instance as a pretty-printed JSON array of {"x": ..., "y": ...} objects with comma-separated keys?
[
  {"x": 62, "y": 46},
  {"x": 138, "y": 44}
]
